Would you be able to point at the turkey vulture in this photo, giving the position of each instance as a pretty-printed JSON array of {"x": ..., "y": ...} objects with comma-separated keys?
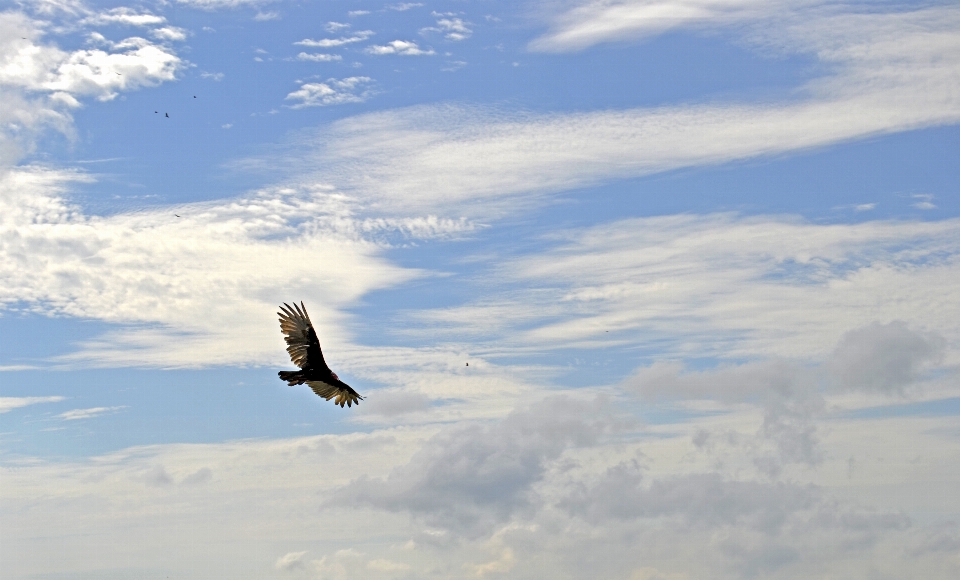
[{"x": 304, "y": 349}]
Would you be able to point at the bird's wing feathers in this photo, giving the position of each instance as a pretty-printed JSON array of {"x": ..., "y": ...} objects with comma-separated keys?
[
  {"x": 302, "y": 342},
  {"x": 343, "y": 393}
]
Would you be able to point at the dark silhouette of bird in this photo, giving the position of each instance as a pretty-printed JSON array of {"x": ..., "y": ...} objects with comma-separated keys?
[
  {"x": 468, "y": 364},
  {"x": 167, "y": 115},
  {"x": 194, "y": 96},
  {"x": 176, "y": 215},
  {"x": 303, "y": 346}
]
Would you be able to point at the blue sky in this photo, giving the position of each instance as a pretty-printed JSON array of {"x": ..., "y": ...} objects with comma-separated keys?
[{"x": 700, "y": 255}]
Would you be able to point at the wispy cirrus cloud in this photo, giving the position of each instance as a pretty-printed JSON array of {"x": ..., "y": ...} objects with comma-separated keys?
[
  {"x": 884, "y": 72},
  {"x": 124, "y": 15},
  {"x": 718, "y": 285},
  {"x": 218, "y": 4},
  {"x": 10, "y": 403},
  {"x": 79, "y": 414},
  {"x": 595, "y": 21}
]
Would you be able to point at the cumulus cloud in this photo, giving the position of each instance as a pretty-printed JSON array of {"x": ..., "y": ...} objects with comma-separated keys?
[
  {"x": 401, "y": 47},
  {"x": 40, "y": 83},
  {"x": 9, "y": 403},
  {"x": 884, "y": 357},
  {"x": 452, "y": 27},
  {"x": 169, "y": 33},
  {"x": 290, "y": 561},
  {"x": 331, "y": 92},
  {"x": 473, "y": 477},
  {"x": 553, "y": 488}
]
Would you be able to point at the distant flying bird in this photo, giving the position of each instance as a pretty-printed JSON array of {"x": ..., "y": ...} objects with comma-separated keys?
[
  {"x": 304, "y": 349},
  {"x": 176, "y": 215},
  {"x": 167, "y": 115}
]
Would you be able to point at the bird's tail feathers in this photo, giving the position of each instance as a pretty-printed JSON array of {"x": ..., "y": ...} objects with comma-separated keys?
[{"x": 292, "y": 377}]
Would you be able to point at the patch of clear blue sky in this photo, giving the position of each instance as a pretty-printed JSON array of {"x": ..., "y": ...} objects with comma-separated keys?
[{"x": 174, "y": 406}]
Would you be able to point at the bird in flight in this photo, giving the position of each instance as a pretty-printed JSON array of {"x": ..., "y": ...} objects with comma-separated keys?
[{"x": 304, "y": 349}]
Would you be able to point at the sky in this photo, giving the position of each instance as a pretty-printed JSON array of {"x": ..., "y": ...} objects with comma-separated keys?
[{"x": 633, "y": 289}]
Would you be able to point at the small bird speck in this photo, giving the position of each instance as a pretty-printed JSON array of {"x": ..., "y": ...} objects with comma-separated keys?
[{"x": 167, "y": 115}]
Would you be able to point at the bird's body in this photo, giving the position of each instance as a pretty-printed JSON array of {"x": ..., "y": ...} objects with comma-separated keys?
[{"x": 303, "y": 346}]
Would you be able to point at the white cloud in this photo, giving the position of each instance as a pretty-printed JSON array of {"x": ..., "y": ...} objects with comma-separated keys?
[
  {"x": 335, "y": 26},
  {"x": 101, "y": 74},
  {"x": 926, "y": 201},
  {"x": 555, "y": 489},
  {"x": 884, "y": 357},
  {"x": 404, "y": 6},
  {"x": 217, "y": 4},
  {"x": 40, "y": 83},
  {"x": 212, "y": 76},
  {"x": 169, "y": 33},
  {"x": 10, "y": 403},
  {"x": 124, "y": 15},
  {"x": 596, "y": 21},
  {"x": 888, "y": 73},
  {"x": 77, "y": 414},
  {"x": 450, "y": 26},
  {"x": 720, "y": 285},
  {"x": 331, "y": 92},
  {"x": 331, "y": 42},
  {"x": 290, "y": 561},
  {"x": 315, "y": 57},
  {"x": 217, "y": 273},
  {"x": 265, "y": 16},
  {"x": 401, "y": 47},
  {"x": 358, "y": 13}
]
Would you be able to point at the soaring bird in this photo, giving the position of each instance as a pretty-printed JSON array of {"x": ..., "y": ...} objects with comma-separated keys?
[{"x": 304, "y": 349}]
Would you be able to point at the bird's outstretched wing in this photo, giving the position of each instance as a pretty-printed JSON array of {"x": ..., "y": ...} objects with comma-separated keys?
[
  {"x": 303, "y": 346},
  {"x": 336, "y": 388}
]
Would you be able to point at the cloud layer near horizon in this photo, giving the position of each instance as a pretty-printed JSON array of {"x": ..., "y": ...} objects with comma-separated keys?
[{"x": 566, "y": 485}]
